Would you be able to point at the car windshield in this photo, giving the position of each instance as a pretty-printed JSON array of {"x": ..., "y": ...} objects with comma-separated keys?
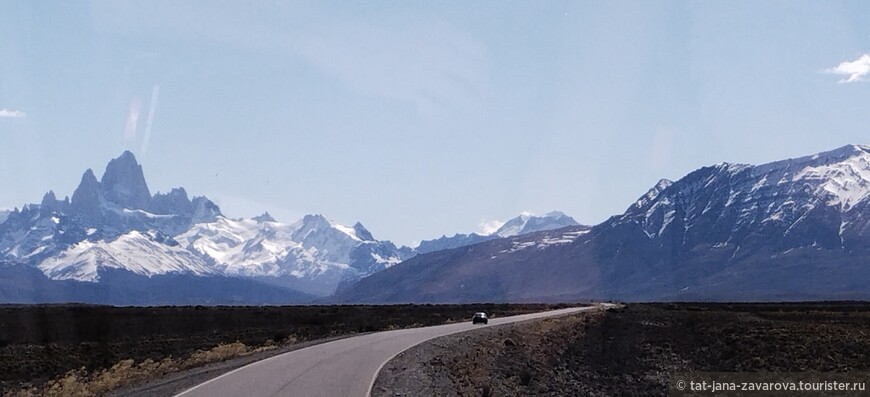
[{"x": 187, "y": 182}]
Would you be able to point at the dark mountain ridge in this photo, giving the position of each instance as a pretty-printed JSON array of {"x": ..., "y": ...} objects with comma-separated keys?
[{"x": 788, "y": 230}]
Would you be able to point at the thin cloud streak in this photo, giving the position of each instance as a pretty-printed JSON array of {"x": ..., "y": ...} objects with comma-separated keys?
[
  {"x": 856, "y": 70},
  {"x": 12, "y": 114},
  {"x": 155, "y": 93}
]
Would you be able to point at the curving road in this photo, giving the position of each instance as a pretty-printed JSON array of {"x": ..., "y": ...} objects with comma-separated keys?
[{"x": 346, "y": 367}]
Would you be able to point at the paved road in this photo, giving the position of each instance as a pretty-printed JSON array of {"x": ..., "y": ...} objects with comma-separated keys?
[{"x": 345, "y": 367}]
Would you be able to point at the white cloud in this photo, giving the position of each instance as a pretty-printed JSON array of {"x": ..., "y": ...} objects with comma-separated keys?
[
  {"x": 489, "y": 227},
  {"x": 11, "y": 114},
  {"x": 856, "y": 70}
]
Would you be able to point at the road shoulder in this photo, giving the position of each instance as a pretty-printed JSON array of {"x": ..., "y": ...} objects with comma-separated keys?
[
  {"x": 178, "y": 382},
  {"x": 510, "y": 359}
]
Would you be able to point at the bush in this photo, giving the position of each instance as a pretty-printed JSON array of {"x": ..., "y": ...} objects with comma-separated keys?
[{"x": 218, "y": 353}]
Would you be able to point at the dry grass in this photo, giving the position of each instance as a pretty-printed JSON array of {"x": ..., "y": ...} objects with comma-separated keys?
[
  {"x": 218, "y": 353},
  {"x": 126, "y": 372}
]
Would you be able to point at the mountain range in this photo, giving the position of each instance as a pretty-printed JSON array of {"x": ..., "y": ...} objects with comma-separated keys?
[
  {"x": 788, "y": 230},
  {"x": 525, "y": 223},
  {"x": 115, "y": 242},
  {"x": 797, "y": 229}
]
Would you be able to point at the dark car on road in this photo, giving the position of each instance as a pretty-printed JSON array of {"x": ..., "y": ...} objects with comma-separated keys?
[{"x": 479, "y": 317}]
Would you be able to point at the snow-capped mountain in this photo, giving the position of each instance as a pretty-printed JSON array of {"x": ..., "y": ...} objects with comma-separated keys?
[
  {"x": 241, "y": 247},
  {"x": 312, "y": 255},
  {"x": 527, "y": 223},
  {"x": 4, "y": 214},
  {"x": 137, "y": 252},
  {"x": 524, "y": 223},
  {"x": 99, "y": 211},
  {"x": 795, "y": 203},
  {"x": 115, "y": 225},
  {"x": 791, "y": 229}
]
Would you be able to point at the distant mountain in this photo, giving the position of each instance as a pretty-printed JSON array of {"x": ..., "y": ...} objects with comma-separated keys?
[
  {"x": 788, "y": 230},
  {"x": 99, "y": 212},
  {"x": 313, "y": 255},
  {"x": 115, "y": 226},
  {"x": 455, "y": 241},
  {"x": 123, "y": 183},
  {"x": 26, "y": 284},
  {"x": 146, "y": 254},
  {"x": 525, "y": 223}
]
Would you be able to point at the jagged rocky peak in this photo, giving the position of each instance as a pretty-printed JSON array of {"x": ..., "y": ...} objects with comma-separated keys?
[
  {"x": 264, "y": 217},
  {"x": 88, "y": 189},
  {"x": 50, "y": 203},
  {"x": 124, "y": 183},
  {"x": 204, "y": 210},
  {"x": 362, "y": 233},
  {"x": 174, "y": 202},
  {"x": 86, "y": 198},
  {"x": 659, "y": 187},
  {"x": 652, "y": 193},
  {"x": 663, "y": 184},
  {"x": 314, "y": 221},
  {"x": 309, "y": 226},
  {"x": 49, "y": 198},
  {"x": 320, "y": 228}
]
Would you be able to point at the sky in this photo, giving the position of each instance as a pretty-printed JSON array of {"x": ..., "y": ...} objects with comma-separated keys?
[{"x": 422, "y": 118}]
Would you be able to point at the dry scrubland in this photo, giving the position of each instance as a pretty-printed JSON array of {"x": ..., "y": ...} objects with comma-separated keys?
[
  {"x": 630, "y": 351},
  {"x": 89, "y": 350}
]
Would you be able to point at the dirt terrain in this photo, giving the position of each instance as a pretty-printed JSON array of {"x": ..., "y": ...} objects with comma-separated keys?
[
  {"x": 631, "y": 351},
  {"x": 39, "y": 343}
]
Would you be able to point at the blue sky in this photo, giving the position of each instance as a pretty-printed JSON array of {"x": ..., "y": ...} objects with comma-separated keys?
[{"x": 422, "y": 118}]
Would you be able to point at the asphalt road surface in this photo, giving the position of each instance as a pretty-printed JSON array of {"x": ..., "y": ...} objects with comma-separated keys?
[{"x": 346, "y": 367}]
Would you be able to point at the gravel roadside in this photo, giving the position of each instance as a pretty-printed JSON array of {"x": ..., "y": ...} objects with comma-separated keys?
[
  {"x": 513, "y": 359},
  {"x": 631, "y": 351}
]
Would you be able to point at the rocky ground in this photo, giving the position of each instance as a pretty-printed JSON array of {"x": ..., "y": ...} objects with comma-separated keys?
[
  {"x": 39, "y": 343},
  {"x": 631, "y": 351}
]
